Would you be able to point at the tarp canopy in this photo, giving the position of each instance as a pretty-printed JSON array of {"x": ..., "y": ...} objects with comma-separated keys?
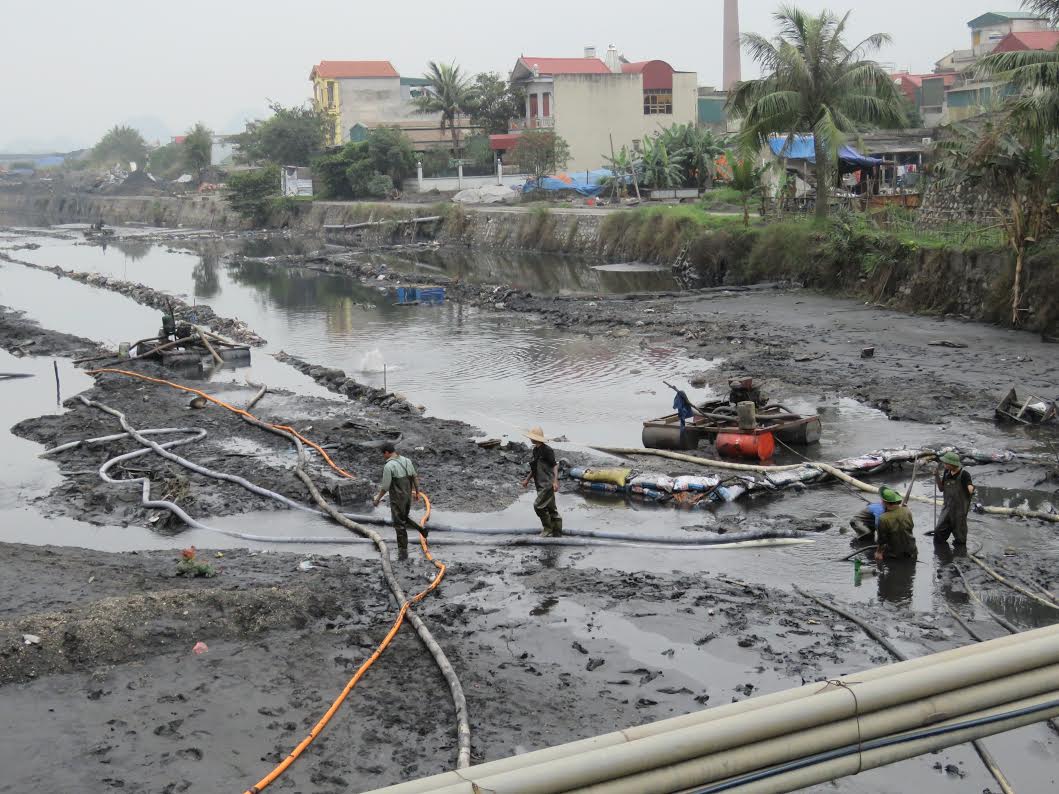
[
  {"x": 803, "y": 147},
  {"x": 587, "y": 183}
]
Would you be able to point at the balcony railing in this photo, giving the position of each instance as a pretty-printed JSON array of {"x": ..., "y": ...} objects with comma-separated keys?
[{"x": 547, "y": 122}]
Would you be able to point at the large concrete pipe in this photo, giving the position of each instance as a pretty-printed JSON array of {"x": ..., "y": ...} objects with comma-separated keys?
[
  {"x": 740, "y": 760},
  {"x": 681, "y": 739}
]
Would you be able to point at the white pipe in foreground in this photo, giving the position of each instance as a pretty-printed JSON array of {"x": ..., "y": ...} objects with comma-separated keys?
[{"x": 684, "y": 739}]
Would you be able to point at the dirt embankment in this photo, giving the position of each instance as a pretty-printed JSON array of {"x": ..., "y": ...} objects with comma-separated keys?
[{"x": 455, "y": 471}]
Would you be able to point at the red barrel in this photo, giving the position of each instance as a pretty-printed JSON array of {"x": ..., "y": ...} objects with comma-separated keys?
[{"x": 759, "y": 446}]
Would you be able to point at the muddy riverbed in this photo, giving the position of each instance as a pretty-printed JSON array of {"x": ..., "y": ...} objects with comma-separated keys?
[{"x": 551, "y": 643}]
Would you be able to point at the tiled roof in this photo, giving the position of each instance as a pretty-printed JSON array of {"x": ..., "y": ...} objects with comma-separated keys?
[
  {"x": 337, "y": 70},
  {"x": 553, "y": 66},
  {"x": 1029, "y": 40}
]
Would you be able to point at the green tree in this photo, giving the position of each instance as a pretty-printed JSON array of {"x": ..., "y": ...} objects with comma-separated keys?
[
  {"x": 541, "y": 153},
  {"x": 198, "y": 147},
  {"x": 813, "y": 82},
  {"x": 746, "y": 178},
  {"x": 661, "y": 167},
  {"x": 290, "y": 136},
  {"x": 1033, "y": 75},
  {"x": 1019, "y": 171},
  {"x": 120, "y": 143},
  {"x": 167, "y": 161},
  {"x": 496, "y": 103},
  {"x": 698, "y": 149},
  {"x": 449, "y": 93},
  {"x": 391, "y": 153},
  {"x": 252, "y": 193}
]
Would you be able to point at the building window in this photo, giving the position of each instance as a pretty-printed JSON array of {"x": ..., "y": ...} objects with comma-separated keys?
[
  {"x": 330, "y": 94},
  {"x": 657, "y": 101}
]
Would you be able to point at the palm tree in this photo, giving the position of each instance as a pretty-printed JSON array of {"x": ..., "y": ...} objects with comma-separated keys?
[
  {"x": 450, "y": 93},
  {"x": 1033, "y": 74},
  {"x": 746, "y": 178},
  {"x": 814, "y": 83}
]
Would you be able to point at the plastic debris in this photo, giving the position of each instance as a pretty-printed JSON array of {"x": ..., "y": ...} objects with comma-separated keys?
[
  {"x": 305, "y": 565},
  {"x": 31, "y": 639},
  {"x": 199, "y": 648}
]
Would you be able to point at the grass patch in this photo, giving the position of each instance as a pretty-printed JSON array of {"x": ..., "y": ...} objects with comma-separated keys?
[{"x": 722, "y": 197}]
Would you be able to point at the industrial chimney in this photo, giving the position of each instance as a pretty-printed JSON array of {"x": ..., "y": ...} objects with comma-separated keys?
[
  {"x": 590, "y": 52},
  {"x": 732, "y": 64}
]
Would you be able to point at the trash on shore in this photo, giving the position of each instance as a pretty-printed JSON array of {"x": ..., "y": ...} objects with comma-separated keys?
[
  {"x": 199, "y": 648},
  {"x": 30, "y": 639},
  {"x": 1031, "y": 411}
]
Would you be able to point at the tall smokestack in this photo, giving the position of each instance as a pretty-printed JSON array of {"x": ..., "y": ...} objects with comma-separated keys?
[{"x": 733, "y": 71}]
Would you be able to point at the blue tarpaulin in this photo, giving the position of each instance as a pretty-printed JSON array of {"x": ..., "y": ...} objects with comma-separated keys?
[
  {"x": 802, "y": 147},
  {"x": 587, "y": 183}
]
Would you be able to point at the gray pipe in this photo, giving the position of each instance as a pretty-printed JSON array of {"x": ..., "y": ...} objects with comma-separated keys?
[
  {"x": 959, "y": 669},
  {"x": 748, "y": 539}
]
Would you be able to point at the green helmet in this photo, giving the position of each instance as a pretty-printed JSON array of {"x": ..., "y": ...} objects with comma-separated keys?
[
  {"x": 952, "y": 459},
  {"x": 891, "y": 496}
]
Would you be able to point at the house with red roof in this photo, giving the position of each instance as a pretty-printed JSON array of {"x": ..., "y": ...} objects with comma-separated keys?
[
  {"x": 1026, "y": 41},
  {"x": 360, "y": 95},
  {"x": 590, "y": 100}
]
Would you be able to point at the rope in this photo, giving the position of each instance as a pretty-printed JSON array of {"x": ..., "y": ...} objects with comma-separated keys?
[
  {"x": 856, "y": 713},
  {"x": 845, "y": 485}
]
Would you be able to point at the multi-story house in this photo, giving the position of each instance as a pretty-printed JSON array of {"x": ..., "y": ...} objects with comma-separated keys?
[
  {"x": 365, "y": 94},
  {"x": 592, "y": 101}
]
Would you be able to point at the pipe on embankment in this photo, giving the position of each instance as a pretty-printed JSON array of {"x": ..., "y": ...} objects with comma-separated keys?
[
  {"x": 680, "y": 740},
  {"x": 826, "y": 468},
  {"x": 575, "y": 537}
]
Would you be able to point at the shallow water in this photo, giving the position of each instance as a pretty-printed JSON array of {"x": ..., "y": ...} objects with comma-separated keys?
[{"x": 501, "y": 373}]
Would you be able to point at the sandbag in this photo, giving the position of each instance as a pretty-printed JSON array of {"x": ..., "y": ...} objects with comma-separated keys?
[
  {"x": 690, "y": 483},
  {"x": 612, "y": 476},
  {"x": 656, "y": 482}
]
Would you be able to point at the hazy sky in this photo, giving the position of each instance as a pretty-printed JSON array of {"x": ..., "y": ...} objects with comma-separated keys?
[{"x": 69, "y": 69}]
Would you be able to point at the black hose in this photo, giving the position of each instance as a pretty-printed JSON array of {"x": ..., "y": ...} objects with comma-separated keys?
[{"x": 873, "y": 744}]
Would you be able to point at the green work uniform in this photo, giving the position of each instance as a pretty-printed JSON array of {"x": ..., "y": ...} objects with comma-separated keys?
[
  {"x": 953, "y": 520},
  {"x": 895, "y": 534},
  {"x": 542, "y": 467},
  {"x": 397, "y": 478}
]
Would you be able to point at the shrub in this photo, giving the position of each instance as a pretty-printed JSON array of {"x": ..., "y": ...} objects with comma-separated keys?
[{"x": 251, "y": 193}]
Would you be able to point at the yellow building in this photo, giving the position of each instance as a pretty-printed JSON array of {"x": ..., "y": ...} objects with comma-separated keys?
[
  {"x": 364, "y": 94},
  {"x": 592, "y": 101}
]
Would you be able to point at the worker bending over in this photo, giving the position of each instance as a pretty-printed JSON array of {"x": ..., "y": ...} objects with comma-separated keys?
[
  {"x": 401, "y": 481},
  {"x": 894, "y": 535}
]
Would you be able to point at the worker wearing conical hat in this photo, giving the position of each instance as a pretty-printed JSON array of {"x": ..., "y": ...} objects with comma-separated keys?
[
  {"x": 894, "y": 535},
  {"x": 544, "y": 471},
  {"x": 955, "y": 484}
]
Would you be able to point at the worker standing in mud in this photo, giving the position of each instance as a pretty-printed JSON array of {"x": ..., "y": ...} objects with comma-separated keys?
[
  {"x": 955, "y": 484},
  {"x": 544, "y": 471},
  {"x": 401, "y": 481},
  {"x": 894, "y": 535}
]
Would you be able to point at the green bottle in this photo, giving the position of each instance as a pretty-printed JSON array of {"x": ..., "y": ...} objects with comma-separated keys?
[{"x": 856, "y": 565}]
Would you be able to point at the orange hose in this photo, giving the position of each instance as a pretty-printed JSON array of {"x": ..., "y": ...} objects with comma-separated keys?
[
  {"x": 231, "y": 408},
  {"x": 297, "y": 751},
  {"x": 338, "y": 701}
]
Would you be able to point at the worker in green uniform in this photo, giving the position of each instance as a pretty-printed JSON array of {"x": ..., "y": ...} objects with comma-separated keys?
[
  {"x": 401, "y": 481},
  {"x": 894, "y": 535},
  {"x": 955, "y": 484},
  {"x": 544, "y": 471}
]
